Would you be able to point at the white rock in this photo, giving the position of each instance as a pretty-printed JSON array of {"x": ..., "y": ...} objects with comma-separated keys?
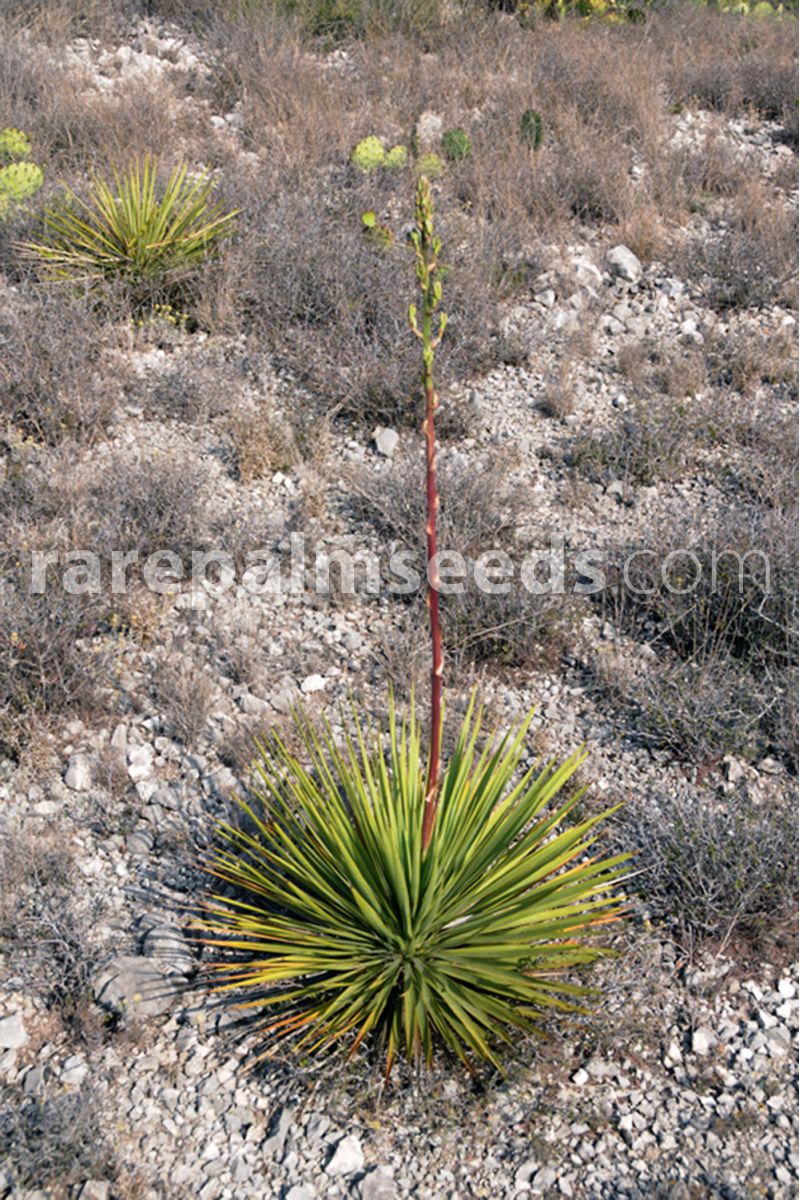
[
  {"x": 386, "y": 441},
  {"x": 378, "y": 1184},
  {"x": 12, "y": 1032},
  {"x": 312, "y": 683},
  {"x": 348, "y": 1157},
  {"x": 78, "y": 776},
  {"x": 779, "y": 1041},
  {"x": 94, "y": 1189},
  {"x": 703, "y": 1040},
  {"x": 73, "y": 1072},
  {"x": 623, "y": 263},
  {"x": 580, "y": 1077},
  {"x": 786, "y": 988},
  {"x": 167, "y": 943},
  {"x": 586, "y": 273},
  {"x": 275, "y": 1141},
  {"x": 599, "y": 1069},
  {"x": 524, "y": 1174},
  {"x": 734, "y": 768},
  {"x": 119, "y": 738},
  {"x": 544, "y": 1179},
  {"x": 135, "y": 986},
  {"x": 253, "y": 706},
  {"x": 690, "y": 334},
  {"x": 140, "y": 762}
]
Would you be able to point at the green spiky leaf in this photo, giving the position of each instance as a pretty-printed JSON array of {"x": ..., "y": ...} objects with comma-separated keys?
[
  {"x": 342, "y": 927},
  {"x": 130, "y": 228}
]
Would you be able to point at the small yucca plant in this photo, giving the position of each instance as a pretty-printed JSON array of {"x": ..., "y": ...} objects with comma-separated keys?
[
  {"x": 131, "y": 229},
  {"x": 348, "y": 927},
  {"x": 374, "y": 894}
]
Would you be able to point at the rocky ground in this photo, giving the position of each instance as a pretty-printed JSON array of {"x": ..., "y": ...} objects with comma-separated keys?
[{"x": 120, "y": 1076}]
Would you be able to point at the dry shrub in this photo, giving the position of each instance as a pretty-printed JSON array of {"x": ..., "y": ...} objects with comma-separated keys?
[
  {"x": 184, "y": 696},
  {"x": 745, "y": 357},
  {"x": 750, "y": 262},
  {"x": 90, "y": 130},
  {"x": 297, "y": 116},
  {"x": 154, "y": 504},
  {"x": 643, "y": 231},
  {"x": 57, "y": 21},
  {"x": 727, "y": 642},
  {"x": 657, "y": 439},
  {"x": 44, "y": 933},
  {"x": 478, "y": 514},
  {"x": 712, "y": 870},
  {"x": 668, "y": 370},
  {"x": 333, "y": 307},
  {"x": 53, "y": 655},
  {"x": 55, "y": 380},
  {"x": 732, "y": 64},
  {"x": 714, "y": 170},
  {"x": 559, "y": 394},
  {"x": 56, "y": 1140}
]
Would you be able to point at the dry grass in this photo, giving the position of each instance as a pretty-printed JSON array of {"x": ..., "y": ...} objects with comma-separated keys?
[{"x": 263, "y": 443}]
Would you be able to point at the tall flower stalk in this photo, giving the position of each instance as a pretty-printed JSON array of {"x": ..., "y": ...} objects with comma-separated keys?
[
  {"x": 427, "y": 247},
  {"x": 369, "y": 897}
]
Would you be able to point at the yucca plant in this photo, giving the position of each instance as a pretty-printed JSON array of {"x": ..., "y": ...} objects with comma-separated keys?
[
  {"x": 371, "y": 894},
  {"x": 133, "y": 230}
]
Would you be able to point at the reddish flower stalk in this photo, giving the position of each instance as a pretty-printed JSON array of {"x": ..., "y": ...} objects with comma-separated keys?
[{"x": 427, "y": 249}]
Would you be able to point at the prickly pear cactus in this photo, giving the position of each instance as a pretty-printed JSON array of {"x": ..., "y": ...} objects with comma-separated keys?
[
  {"x": 14, "y": 144},
  {"x": 18, "y": 182},
  {"x": 430, "y": 165},
  {"x": 396, "y": 158},
  {"x": 380, "y": 235},
  {"x": 369, "y": 154}
]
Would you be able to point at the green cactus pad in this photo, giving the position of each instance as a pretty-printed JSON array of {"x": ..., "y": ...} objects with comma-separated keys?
[
  {"x": 14, "y": 143},
  {"x": 396, "y": 158},
  {"x": 368, "y": 154},
  {"x": 19, "y": 181},
  {"x": 531, "y": 129},
  {"x": 456, "y": 145},
  {"x": 430, "y": 165},
  {"x": 379, "y": 235}
]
